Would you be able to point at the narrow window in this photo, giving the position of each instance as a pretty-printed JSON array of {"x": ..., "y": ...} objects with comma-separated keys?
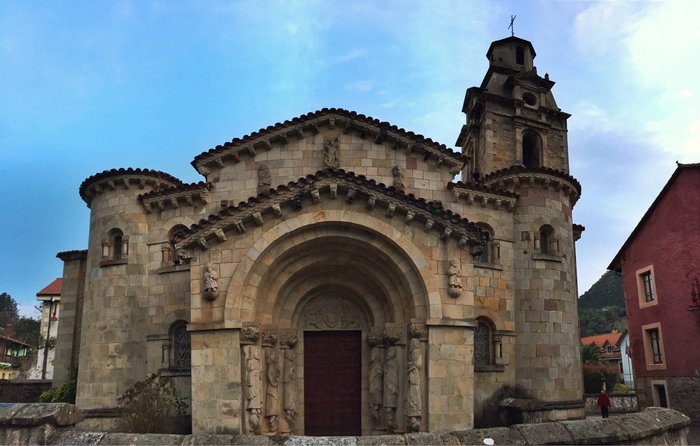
[
  {"x": 520, "y": 55},
  {"x": 547, "y": 240},
  {"x": 531, "y": 149},
  {"x": 482, "y": 344},
  {"x": 181, "y": 347},
  {"x": 655, "y": 345},
  {"x": 648, "y": 286},
  {"x": 660, "y": 395},
  {"x": 489, "y": 253}
]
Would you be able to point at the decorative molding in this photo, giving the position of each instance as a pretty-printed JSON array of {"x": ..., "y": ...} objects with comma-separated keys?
[
  {"x": 250, "y": 333},
  {"x": 331, "y": 313}
]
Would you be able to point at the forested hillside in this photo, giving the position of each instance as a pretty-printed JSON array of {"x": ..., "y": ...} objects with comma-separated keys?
[{"x": 602, "y": 307}]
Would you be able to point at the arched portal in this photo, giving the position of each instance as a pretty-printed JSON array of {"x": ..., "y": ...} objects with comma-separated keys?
[{"x": 331, "y": 284}]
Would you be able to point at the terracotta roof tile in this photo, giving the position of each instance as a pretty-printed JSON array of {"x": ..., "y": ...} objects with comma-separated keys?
[
  {"x": 52, "y": 289},
  {"x": 174, "y": 189},
  {"x": 121, "y": 172},
  {"x": 599, "y": 340}
]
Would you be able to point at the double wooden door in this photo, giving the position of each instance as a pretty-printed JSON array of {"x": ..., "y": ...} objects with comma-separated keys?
[{"x": 332, "y": 382}]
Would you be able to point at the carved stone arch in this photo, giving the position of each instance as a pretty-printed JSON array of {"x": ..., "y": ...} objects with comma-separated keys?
[{"x": 419, "y": 290}]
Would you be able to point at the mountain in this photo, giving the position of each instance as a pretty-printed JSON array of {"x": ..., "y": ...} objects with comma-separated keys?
[{"x": 602, "y": 307}]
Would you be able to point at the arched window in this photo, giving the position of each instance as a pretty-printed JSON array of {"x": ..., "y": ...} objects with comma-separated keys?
[
  {"x": 115, "y": 246},
  {"x": 548, "y": 244},
  {"x": 532, "y": 148},
  {"x": 168, "y": 256},
  {"x": 484, "y": 353},
  {"x": 491, "y": 252},
  {"x": 181, "y": 348}
]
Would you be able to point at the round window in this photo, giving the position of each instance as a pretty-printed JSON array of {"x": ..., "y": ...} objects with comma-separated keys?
[{"x": 529, "y": 98}]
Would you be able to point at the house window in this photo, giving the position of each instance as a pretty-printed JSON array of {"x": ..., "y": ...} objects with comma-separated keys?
[
  {"x": 658, "y": 393},
  {"x": 654, "y": 346},
  {"x": 646, "y": 287},
  {"x": 181, "y": 354}
]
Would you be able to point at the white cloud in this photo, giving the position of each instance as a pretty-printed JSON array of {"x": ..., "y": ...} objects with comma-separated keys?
[{"x": 361, "y": 86}]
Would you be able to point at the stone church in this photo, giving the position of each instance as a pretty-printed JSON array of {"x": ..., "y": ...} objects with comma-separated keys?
[{"x": 329, "y": 275}]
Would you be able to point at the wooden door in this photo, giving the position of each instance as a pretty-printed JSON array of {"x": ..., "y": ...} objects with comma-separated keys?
[{"x": 332, "y": 380}]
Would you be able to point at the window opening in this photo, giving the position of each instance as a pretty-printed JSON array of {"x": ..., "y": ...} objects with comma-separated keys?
[
  {"x": 531, "y": 149},
  {"x": 648, "y": 288},
  {"x": 655, "y": 346},
  {"x": 482, "y": 344},
  {"x": 520, "y": 55}
]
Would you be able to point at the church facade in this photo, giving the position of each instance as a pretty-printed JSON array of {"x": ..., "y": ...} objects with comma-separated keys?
[{"x": 330, "y": 277}]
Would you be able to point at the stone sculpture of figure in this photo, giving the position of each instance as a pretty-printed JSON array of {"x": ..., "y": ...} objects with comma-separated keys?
[
  {"x": 290, "y": 397},
  {"x": 210, "y": 277},
  {"x": 455, "y": 282},
  {"x": 391, "y": 388},
  {"x": 253, "y": 384},
  {"x": 376, "y": 373},
  {"x": 264, "y": 177},
  {"x": 181, "y": 257},
  {"x": 272, "y": 395},
  {"x": 414, "y": 409},
  {"x": 330, "y": 153},
  {"x": 397, "y": 173}
]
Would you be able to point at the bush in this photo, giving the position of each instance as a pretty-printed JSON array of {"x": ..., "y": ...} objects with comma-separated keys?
[
  {"x": 593, "y": 374},
  {"x": 61, "y": 394},
  {"x": 621, "y": 388},
  {"x": 150, "y": 406}
]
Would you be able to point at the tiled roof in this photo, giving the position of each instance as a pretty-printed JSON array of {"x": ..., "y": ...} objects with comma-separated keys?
[
  {"x": 13, "y": 341},
  {"x": 349, "y": 120},
  {"x": 174, "y": 189},
  {"x": 599, "y": 340},
  {"x": 128, "y": 172},
  {"x": 72, "y": 255},
  {"x": 52, "y": 289},
  {"x": 544, "y": 175},
  {"x": 332, "y": 182}
]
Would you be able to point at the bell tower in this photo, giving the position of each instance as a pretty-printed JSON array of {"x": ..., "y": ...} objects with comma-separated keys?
[{"x": 512, "y": 118}]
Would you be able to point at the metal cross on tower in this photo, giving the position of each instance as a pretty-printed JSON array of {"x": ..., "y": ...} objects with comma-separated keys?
[{"x": 511, "y": 27}]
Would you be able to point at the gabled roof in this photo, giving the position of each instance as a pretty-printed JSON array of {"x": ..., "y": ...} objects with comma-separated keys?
[
  {"x": 52, "y": 289},
  {"x": 616, "y": 263},
  {"x": 600, "y": 340},
  {"x": 330, "y": 184},
  {"x": 349, "y": 121},
  {"x": 9, "y": 340}
]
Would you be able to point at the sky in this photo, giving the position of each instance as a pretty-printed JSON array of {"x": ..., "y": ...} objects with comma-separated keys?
[{"x": 89, "y": 86}]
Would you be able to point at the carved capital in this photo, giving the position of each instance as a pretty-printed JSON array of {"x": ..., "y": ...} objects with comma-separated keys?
[
  {"x": 269, "y": 337},
  {"x": 417, "y": 331},
  {"x": 288, "y": 338},
  {"x": 375, "y": 336},
  {"x": 250, "y": 333},
  {"x": 393, "y": 335}
]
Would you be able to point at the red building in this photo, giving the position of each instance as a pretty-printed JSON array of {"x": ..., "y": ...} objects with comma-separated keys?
[{"x": 660, "y": 265}]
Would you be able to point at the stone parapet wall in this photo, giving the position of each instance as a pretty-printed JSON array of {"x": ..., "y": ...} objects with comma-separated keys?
[
  {"x": 620, "y": 402},
  {"x": 52, "y": 424}
]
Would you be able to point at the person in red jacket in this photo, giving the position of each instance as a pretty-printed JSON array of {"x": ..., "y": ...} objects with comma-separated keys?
[{"x": 603, "y": 403}]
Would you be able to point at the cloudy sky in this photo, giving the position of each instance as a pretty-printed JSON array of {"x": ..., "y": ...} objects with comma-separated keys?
[{"x": 87, "y": 86}]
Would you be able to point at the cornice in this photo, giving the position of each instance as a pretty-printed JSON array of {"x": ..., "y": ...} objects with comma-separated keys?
[
  {"x": 331, "y": 184},
  {"x": 484, "y": 195},
  {"x": 171, "y": 198},
  {"x": 350, "y": 122},
  {"x": 125, "y": 178},
  {"x": 67, "y": 256},
  {"x": 535, "y": 176}
]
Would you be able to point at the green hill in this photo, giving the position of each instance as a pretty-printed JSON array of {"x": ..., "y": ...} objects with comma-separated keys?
[{"x": 602, "y": 307}]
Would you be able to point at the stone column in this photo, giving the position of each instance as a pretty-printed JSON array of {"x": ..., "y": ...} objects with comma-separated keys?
[
  {"x": 272, "y": 379},
  {"x": 253, "y": 377},
  {"x": 393, "y": 371},
  {"x": 375, "y": 339},
  {"x": 288, "y": 339},
  {"x": 415, "y": 395},
  {"x": 450, "y": 374}
]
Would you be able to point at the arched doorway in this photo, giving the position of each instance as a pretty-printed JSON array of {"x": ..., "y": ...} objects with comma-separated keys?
[{"x": 332, "y": 284}]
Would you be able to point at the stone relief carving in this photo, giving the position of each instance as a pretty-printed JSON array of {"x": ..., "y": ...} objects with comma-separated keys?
[
  {"x": 455, "y": 281},
  {"x": 398, "y": 172},
  {"x": 414, "y": 399},
  {"x": 290, "y": 397},
  {"x": 376, "y": 375},
  {"x": 253, "y": 381},
  {"x": 393, "y": 334},
  {"x": 272, "y": 396},
  {"x": 419, "y": 331},
  {"x": 331, "y": 148},
  {"x": 332, "y": 312},
  {"x": 211, "y": 287},
  {"x": 391, "y": 387},
  {"x": 264, "y": 178},
  {"x": 181, "y": 257},
  {"x": 269, "y": 337},
  {"x": 250, "y": 333}
]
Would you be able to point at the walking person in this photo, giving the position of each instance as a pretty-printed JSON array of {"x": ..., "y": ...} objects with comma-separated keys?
[{"x": 603, "y": 403}]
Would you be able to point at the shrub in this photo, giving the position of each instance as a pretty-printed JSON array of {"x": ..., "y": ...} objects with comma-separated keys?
[
  {"x": 150, "y": 406},
  {"x": 593, "y": 374},
  {"x": 621, "y": 388},
  {"x": 61, "y": 394}
]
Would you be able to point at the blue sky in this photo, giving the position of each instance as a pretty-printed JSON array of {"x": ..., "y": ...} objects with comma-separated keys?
[{"x": 87, "y": 86}]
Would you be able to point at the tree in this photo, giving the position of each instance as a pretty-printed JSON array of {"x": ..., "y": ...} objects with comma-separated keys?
[
  {"x": 590, "y": 354},
  {"x": 8, "y": 310}
]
